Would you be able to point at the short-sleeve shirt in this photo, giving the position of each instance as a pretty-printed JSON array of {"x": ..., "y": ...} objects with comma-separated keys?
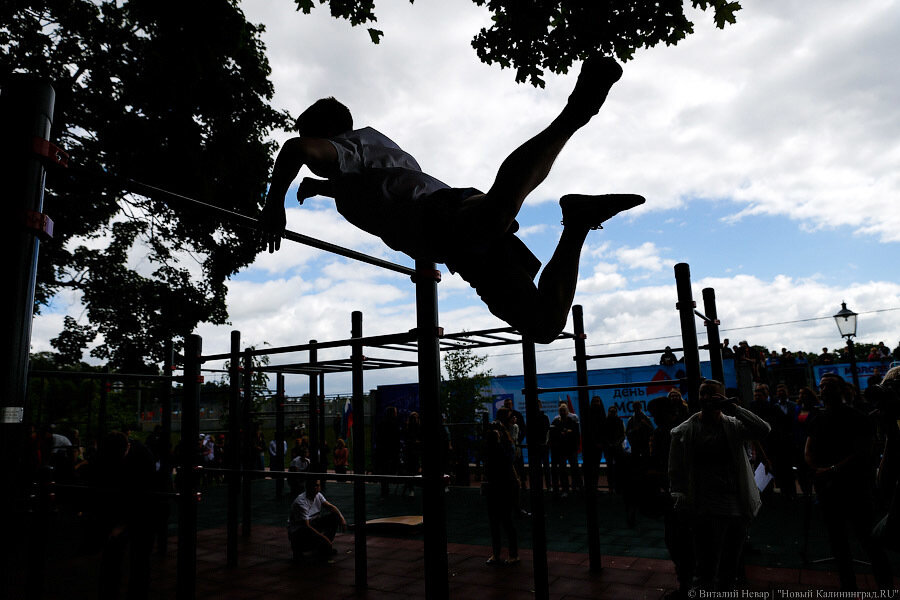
[
  {"x": 303, "y": 509},
  {"x": 379, "y": 187}
]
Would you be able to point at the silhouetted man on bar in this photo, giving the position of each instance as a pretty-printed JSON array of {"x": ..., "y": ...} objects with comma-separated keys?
[{"x": 381, "y": 189}]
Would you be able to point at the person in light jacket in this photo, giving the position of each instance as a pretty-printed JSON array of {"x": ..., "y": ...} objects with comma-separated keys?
[{"x": 711, "y": 481}]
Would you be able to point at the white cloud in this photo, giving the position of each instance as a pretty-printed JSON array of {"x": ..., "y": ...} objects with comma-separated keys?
[{"x": 646, "y": 256}]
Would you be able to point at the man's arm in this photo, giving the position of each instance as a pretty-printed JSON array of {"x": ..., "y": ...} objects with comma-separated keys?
[
  {"x": 336, "y": 511},
  {"x": 316, "y": 154},
  {"x": 753, "y": 428}
]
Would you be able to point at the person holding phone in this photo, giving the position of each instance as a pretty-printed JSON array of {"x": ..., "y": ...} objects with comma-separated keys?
[{"x": 712, "y": 483}]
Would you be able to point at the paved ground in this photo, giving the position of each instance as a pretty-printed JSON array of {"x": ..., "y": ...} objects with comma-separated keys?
[{"x": 635, "y": 562}]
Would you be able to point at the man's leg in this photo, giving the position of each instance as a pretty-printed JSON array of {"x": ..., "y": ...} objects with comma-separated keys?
[{"x": 528, "y": 165}]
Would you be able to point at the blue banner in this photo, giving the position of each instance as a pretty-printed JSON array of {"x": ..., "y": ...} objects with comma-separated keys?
[{"x": 863, "y": 369}]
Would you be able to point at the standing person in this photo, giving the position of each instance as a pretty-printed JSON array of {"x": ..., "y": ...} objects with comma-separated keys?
[
  {"x": 597, "y": 420},
  {"x": 502, "y": 486},
  {"x": 382, "y": 190},
  {"x": 809, "y": 407},
  {"x": 387, "y": 446},
  {"x": 712, "y": 482},
  {"x": 412, "y": 450},
  {"x": 518, "y": 463},
  {"x": 564, "y": 438},
  {"x": 519, "y": 438},
  {"x": 341, "y": 456},
  {"x": 669, "y": 412},
  {"x": 637, "y": 488},
  {"x": 124, "y": 476},
  {"x": 313, "y": 523},
  {"x": 613, "y": 440},
  {"x": 273, "y": 452},
  {"x": 839, "y": 452},
  {"x": 784, "y": 433}
]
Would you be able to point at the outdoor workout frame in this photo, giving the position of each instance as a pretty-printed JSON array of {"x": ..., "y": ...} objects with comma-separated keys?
[
  {"x": 425, "y": 337},
  {"x": 687, "y": 309}
]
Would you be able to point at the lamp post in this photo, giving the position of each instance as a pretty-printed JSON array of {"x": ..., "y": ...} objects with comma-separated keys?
[{"x": 846, "y": 323}]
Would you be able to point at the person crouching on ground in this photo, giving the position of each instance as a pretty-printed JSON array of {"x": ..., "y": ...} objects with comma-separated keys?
[{"x": 313, "y": 523}]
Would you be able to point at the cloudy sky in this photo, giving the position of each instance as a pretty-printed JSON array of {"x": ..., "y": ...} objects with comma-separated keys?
[{"x": 767, "y": 152}]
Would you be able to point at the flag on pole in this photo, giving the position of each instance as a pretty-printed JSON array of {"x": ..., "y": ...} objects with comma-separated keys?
[{"x": 347, "y": 420}]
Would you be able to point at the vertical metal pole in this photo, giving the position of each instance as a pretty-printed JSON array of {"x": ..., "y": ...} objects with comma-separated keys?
[
  {"x": 320, "y": 409},
  {"x": 685, "y": 308},
  {"x": 26, "y": 110},
  {"x": 102, "y": 425},
  {"x": 165, "y": 397},
  {"x": 591, "y": 465},
  {"x": 26, "y": 114},
  {"x": 279, "y": 433},
  {"x": 165, "y": 425},
  {"x": 712, "y": 335},
  {"x": 851, "y": 348},
  {"x": 433, "y": 500},
  {"x": 249, "y": 443},
  {"x": 314, "y": 437},
  {"x": 359, "y": 453},
  {"x": 187, "y": 502},
  {"x": 234, "y": 451},
  {"x": 538, "y": 518}
]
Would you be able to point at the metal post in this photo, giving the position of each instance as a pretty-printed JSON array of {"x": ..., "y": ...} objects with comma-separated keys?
[
  {"x": 26, "y": 110},
  {"x": 685, "y": 308},
  {"x": 712, "y": 335},
  {"x": 851, "y": 348},
  {"x": 433, "y": 500},
  {"x": 234, "y": 451},
  {"x": 359, "y": 454},
  {"x": 165, "y": 442},
  {"x": 320, "y": 409},
  {"x": 187, "y": 505},
  {"x": 102, "y": 425},
  {"x": 591, "y": 460},
  {"x": 165, "y": 397},
  {"x": 314, "y": 437},
  {"x": 249, "y": 456},
  {"x": 538, "y": 518},
  {"x": 279, "y": 434}
]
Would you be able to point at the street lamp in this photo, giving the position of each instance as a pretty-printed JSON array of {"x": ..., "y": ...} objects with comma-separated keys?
[{"x": 846, "y": 323}]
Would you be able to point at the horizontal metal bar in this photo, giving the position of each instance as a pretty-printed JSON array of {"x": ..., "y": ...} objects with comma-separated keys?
[
  {"x": 609, "y": 386},
  {"x": 413, "y": 479},
  {"x": 98, "y": 375},
  {"x": 635, "y": 353},
  {"x": 152, "y": 191}
]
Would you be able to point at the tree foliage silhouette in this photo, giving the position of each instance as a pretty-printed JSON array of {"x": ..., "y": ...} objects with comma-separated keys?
[
  {"x": 171, "y": 93},
  {"x": 537, "y": 35}
]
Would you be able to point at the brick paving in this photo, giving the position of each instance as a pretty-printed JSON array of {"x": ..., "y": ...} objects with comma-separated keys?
[{"x": 634, "y": 561}]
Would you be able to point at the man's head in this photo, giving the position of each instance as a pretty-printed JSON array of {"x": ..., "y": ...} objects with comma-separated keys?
[
  {"x": 312, "y": 488},
  {"x": 503, "y": 415},
  {"x": 761, "y": 392},
  {"x": 781, "y": 392},
  {"x": 563, "y": 410},
  {"x": 324, "y": 118},
  {"x": 507, "y": 403},
  {"x": 831, "y": 389},
  {"x": 712, "y": 393}
]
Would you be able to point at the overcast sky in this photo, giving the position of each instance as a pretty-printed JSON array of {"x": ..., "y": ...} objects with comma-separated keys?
[{"x": 767, "y": 152}]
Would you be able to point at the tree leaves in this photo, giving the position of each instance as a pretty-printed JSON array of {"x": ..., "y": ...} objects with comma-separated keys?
[
  {"x": 173, "y": 94},
  {"x": 537, "y": 35}
]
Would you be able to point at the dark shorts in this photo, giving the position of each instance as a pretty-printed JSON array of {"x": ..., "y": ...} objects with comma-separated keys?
[{"x": 502, "y": 269}]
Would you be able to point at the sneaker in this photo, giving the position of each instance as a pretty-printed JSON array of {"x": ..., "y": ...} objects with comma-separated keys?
[
  {"x": 597, "y": 76},
  {"x": 493, "y": 561},
  {"x": 512, "y": 560},
  {"x": 580, "y": 209}
]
